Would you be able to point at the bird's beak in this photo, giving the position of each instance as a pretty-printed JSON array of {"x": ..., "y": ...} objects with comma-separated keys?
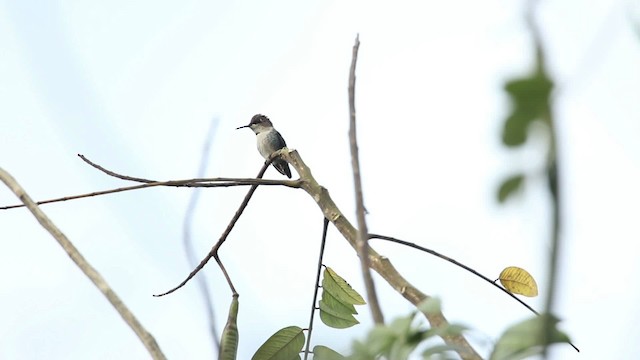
[{"x": 242, "y": 127}]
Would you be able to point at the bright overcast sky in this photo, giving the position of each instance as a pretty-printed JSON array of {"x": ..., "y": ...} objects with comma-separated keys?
[{"x": 134, "y": 86}]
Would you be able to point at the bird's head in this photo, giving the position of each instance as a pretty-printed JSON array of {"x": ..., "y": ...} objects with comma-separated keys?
[{"x": 258, "y": 124}]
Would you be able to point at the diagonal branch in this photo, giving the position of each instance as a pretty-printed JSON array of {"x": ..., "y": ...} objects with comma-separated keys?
[
  {"x": 379, "y": 263},
  {"x": 145, "y": 337},
  {"x": 363, "y": 237},
  {"x": 213, "y": 253}
]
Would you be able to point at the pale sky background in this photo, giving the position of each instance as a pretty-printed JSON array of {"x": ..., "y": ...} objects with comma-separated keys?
[{"x": 134, "y": 86}]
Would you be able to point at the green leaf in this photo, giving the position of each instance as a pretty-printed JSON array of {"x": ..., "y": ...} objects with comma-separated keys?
[
  {"x": 525, "y": 339},
  {"x": 396, "y": 340},
  {"x": 340, "y": 289},
  {"x": 335, "y": 319},
  {"x": 447, "y": 330},
  {"x": 335, "y": 312},
  {"x": 324, "y": 353},
  {"x": 285, "y": 344},
  {"x": 338, "y": 298},
  {"x": 530, "y": 101},
  {"x": 332, "y": 303},
  {"x": 230, "y": 336},
  {"x": 401, "y": 326},
  {"x": 381, "y": 339},
  {"x": 509, "y": 187},
  {"x": 531, "y": 92},
  {"x": 401, "y": 338},
  {"x": 516, "y": 128},
  {"x": 431, "y": 306},
  {"x": 401, "y": 350},
  {"x": 440, "y": 350},
  {"x": 360, "y": 351}
]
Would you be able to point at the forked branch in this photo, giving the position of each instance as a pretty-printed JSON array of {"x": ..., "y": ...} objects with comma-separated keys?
[{"x": 213, "y": 253}]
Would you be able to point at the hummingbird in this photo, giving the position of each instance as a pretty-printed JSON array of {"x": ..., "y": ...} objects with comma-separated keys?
[{"x": 269, "y": 141}]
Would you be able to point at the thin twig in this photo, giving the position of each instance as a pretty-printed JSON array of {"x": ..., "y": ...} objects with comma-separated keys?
[
  {"x": 232, "y": 181},
  {"x": 314, "y": 304},
  {"x": 465, "y": 267},
  {"x": 213, "y": 253},
  {"x": 192, "y": 183},
  {"x": 363, "y": 246},
  {"x": 232, "y": 223},
  {"x": 145, "y": 337},
  {"x": 74, "y": 197},
  {"x": 203, "y": 284},
  {"x": 455, "y": 262},
  {"x": 111, "y": 173}
]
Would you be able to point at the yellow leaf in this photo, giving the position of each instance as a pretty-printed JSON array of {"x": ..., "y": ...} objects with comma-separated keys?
[{"x": 518, "y": 281}]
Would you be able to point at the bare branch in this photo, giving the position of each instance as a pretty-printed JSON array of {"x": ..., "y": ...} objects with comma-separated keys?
[
  {"x": 111, "y": 173},
  {"x": 363, "y": 237},
  {"x": 214, "y": 250},
  {"x": 145, "y": 337},
  {"x": 198, "y": 182},
  {"x": 192, "y": 183}
]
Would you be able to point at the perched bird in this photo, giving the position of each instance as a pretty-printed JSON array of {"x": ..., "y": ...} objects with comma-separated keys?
[{"x": 269, "y": 141}]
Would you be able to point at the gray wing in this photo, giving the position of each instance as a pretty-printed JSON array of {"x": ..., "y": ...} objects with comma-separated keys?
[
  {"x": 280, "y": 165},
  {"x": 278, "y": 141}
]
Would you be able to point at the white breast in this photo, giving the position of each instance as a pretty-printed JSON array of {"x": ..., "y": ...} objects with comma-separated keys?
[{"x": 263, "y": 145}]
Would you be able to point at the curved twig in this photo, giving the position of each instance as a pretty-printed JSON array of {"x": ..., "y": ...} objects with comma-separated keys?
[
  {"x": 455, "y": 262},
  {"x": 114, "y": 174},
  {"x": 459, "y": 264}
]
